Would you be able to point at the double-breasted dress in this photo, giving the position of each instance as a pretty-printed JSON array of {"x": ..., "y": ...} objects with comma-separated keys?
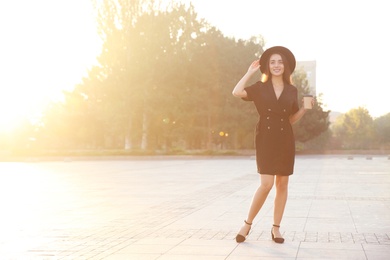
[{"x": 274, "y": 138}]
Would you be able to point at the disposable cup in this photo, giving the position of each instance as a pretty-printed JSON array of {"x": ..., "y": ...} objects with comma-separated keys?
[{"x": 307, "y": 101}]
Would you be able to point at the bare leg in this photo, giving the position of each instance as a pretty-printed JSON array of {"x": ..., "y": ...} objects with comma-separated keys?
[
  {"x": 261, "y": 194},
  {"x": 258, "y": 200},
  {"x": 281, "y": 183}
]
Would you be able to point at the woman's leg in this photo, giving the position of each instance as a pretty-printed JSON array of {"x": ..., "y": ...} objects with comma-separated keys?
[
  {"x": 281, "y": 184},
  {"x": 258, "y": 200}
]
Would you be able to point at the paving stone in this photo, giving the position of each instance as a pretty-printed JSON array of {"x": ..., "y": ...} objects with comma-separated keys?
[{"x": 191, "y": 207}]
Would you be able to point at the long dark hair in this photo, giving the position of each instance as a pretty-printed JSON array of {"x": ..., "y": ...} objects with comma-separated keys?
[{"x": 286, "y": 74}]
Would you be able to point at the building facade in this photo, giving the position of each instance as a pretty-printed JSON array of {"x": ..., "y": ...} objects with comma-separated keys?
[{"x": 310, "y": 68}]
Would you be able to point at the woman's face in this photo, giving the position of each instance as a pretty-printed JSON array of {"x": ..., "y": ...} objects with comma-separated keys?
[{"x": 276, "y": 66}]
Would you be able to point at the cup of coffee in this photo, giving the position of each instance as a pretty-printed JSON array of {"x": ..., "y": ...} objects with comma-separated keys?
[{"x": 307, "y": 101}]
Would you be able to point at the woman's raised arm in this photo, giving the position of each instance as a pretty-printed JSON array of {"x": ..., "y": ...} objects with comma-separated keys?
[{"x": 239, "y": 89}]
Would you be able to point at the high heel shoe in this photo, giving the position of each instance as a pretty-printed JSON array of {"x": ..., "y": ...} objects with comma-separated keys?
[
  {"x": 279, "y": 240},
  {"x": 240, "y": 238}
]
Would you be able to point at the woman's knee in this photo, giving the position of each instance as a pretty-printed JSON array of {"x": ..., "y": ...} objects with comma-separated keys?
[
  {"x": 281, "y": 182},
  {"x": 267, "y": 182}
]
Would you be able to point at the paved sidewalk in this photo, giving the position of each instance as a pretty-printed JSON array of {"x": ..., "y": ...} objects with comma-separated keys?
[{"x": 191, "y": 208}]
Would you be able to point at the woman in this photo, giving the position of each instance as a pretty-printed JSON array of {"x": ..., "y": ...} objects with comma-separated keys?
[{"x": 276, "y": 101}]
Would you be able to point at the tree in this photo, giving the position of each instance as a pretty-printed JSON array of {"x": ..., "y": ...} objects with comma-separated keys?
[
  {"x": 239, "y": 117},
  {"x": 382, "y": 127},
  {"x": 355, "y": 129},
  {"x": 167, "y": 73},
  {"x": 142, "y": 66},
  {"x": 315, "y": 121},
  {"x": 164, "y": 81}
]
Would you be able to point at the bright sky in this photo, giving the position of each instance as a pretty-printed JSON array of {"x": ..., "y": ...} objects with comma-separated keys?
[
  {"x": 48, "y": 45},
  {"x": 349, "y": 39}
]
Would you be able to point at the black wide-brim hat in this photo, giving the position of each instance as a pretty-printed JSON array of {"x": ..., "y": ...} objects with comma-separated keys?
[{"x": 280, "y": 50}]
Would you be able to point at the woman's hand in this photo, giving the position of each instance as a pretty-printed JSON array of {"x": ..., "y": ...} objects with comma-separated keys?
[
  {"x": 313, "y": 102},
  {"x": 254, "y": 67},
  {"x": 239, "y": 89}
]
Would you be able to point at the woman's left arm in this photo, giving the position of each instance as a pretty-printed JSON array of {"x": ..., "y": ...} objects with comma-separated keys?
[{"x": 298, "y": 115}]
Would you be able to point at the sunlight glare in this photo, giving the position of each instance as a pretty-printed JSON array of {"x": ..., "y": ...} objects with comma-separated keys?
[{"x": 47, "y": 47}]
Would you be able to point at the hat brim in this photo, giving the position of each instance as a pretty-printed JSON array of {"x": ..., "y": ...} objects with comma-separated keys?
[{"x": 277, "y": 49}]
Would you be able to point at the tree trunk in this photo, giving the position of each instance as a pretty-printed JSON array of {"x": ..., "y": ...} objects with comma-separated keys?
[
  {"x": 128, "y": 139},
  {"x": 144, "y": 139}
]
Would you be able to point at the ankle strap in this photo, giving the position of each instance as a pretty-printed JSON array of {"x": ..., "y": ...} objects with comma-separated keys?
[
  {"x": 274, "y": 225},
  {"x": 247, "y": 223}
]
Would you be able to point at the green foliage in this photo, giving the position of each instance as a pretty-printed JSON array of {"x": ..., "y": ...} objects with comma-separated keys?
[
  {"x": 356, "y": 129},
  {"x": 163, "y": 85},
  {"x": 165, "y": 79},
  {"x": 163, "y": 82},
  {"x": 315, "y": 121},
  {"x": 382, "y": 127}
]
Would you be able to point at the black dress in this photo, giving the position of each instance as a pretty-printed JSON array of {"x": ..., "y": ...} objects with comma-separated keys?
[{"x": 275, "y": 143}]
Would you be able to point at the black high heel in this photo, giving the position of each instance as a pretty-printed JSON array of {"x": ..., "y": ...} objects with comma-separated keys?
[
  {"x": 240, "y": 238},
  {"x": 279, "y": 240}
]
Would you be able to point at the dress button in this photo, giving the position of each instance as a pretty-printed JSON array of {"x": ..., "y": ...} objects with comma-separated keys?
[
  {"x": 269, "y": 109},
  {"x": 269, "y": 127},
  {"x": 284, "y": 110},
  {"x": 267, "y": 117},
  {"x": 281, "y": 129},
  {"x": 281, "y": 119}
]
